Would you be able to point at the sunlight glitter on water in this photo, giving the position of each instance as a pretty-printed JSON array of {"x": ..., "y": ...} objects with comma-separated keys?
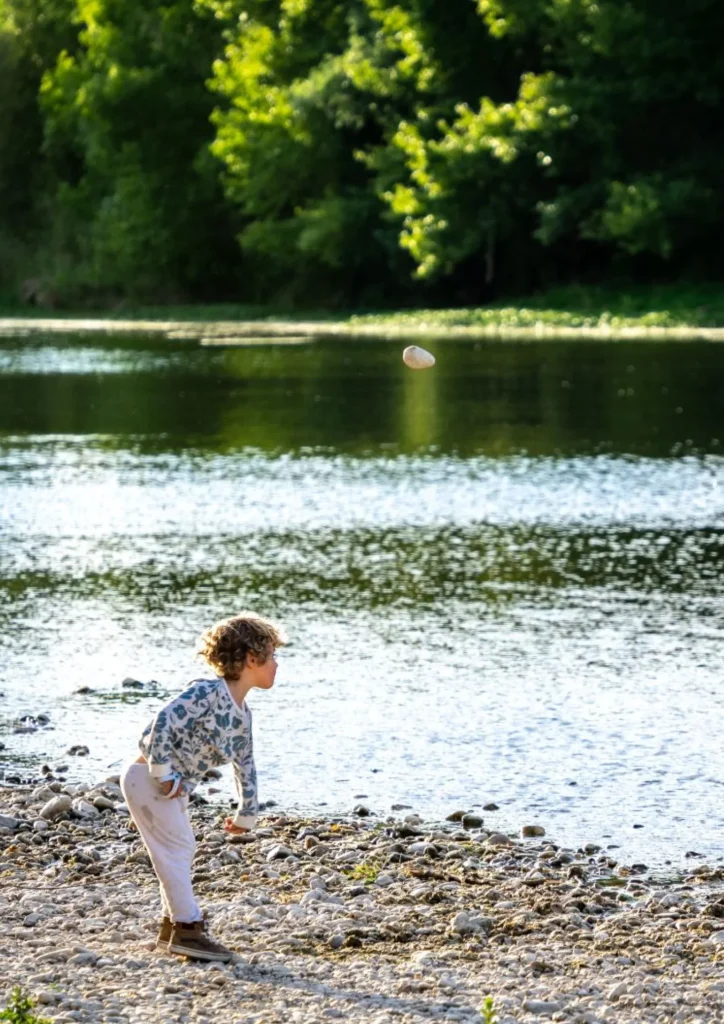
[{"x": 466, "y": 630}]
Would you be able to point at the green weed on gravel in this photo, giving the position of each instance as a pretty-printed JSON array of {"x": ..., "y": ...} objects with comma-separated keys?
[
  {"x": 20, "y": 1010},
  {"x": 488, "y": 1011}
]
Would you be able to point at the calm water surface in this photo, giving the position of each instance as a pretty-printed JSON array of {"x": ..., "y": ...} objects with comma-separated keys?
[{"x": 501, "y": 578}]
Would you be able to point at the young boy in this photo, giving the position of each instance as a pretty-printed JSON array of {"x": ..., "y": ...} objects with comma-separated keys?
[{"x": 207, "y": 725}]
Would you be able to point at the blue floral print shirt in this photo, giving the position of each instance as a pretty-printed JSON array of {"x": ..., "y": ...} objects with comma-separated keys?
[{"x": 203, "y": 728}]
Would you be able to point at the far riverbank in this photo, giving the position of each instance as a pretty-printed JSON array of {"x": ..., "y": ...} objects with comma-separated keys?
[{"x": 584, "y": 313}]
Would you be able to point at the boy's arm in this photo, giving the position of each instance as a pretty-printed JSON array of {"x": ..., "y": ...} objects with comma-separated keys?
[
  {"x": 246, "y": 786},
  {"x": 157, "y": 745}
]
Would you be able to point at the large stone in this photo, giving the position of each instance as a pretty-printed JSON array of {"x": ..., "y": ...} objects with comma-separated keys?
[
  {"x": 83, "y": 959},
  {"x": 84, "y": 809},
  {"x": 55, "y": 807},
  {"x": 102, "y": 803},
  {"x": 42, "y": 794},
  {"x": 279, "y": 852},
  {"x": 498, "y": 839},
  {"x": 241, "y": 838},
  {"x": 470, "y": 924},
  {"x": 529, "y": 831},
  {"x": 7, "y": 822},
  {"x": 472, "y": 821},
  {"x": 47, "y": 997}
]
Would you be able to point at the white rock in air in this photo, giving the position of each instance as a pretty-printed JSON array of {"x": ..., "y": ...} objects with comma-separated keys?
[{"x": 417, "y": 358}]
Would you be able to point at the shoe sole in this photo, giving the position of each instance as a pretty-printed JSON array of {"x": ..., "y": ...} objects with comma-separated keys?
[{"x": 198, "y": 954}]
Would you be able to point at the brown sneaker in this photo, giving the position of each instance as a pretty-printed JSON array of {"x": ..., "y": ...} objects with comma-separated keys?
[
  {"x": 164, "y": 932},
  {"x": 189, "y": 938}
]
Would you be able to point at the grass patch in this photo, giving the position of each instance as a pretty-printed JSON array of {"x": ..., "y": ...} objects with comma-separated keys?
[
  {"x": 602, "y": 307},
  {"x": 367, "y": 871}
]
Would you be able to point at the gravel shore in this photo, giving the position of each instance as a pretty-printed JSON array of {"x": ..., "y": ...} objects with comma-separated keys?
[{"x": 364, "y": 918}]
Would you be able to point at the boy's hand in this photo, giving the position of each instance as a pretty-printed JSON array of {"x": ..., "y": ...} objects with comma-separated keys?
[
  {"x": 235, "y": 830},
  {"x": 166, "y": 788}
]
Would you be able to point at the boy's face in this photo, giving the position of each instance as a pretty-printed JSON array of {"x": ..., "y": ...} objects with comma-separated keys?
[{"x": 262, "y": 672}]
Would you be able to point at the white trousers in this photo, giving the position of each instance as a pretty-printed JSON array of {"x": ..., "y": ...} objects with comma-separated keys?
[{"x": 167, "y": 835}]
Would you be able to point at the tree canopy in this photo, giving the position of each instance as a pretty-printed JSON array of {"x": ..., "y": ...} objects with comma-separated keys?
[{"x": 366, "y": 152}]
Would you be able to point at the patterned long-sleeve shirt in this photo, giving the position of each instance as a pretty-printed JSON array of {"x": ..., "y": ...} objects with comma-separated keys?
[{"x": 203, "y": 728}]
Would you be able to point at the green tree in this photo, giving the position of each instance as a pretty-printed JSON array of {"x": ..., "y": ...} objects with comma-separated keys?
[
  {"x": 138, "y": 207},
  {"x": 293, "y": 117},
  {"x": 607, "y": 145},
  {"x": 32, "y": 34}
]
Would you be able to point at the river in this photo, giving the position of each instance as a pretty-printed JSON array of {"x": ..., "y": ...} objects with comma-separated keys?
[{"x": 500, "y": 578}]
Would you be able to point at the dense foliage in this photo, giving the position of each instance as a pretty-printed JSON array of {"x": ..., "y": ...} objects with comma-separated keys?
[{"x": 362, "y": 152}]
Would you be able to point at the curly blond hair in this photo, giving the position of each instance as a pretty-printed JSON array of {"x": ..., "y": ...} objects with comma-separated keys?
[{"x": 225, "y": 646}]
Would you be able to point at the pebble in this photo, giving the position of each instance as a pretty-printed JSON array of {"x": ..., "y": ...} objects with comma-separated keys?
[
  {"x": 541, "y": 1007},
  {"x": 531, "y": 831},
  {"x": 418, "y": 358},
  {"x": 472, "y": 821}
]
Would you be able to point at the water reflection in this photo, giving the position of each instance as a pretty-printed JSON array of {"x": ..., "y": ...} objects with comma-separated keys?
[{"x": 497, "y": 398}]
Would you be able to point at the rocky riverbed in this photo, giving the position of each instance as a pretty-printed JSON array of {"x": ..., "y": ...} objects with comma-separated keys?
[{"x": 364, "y": 918}]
